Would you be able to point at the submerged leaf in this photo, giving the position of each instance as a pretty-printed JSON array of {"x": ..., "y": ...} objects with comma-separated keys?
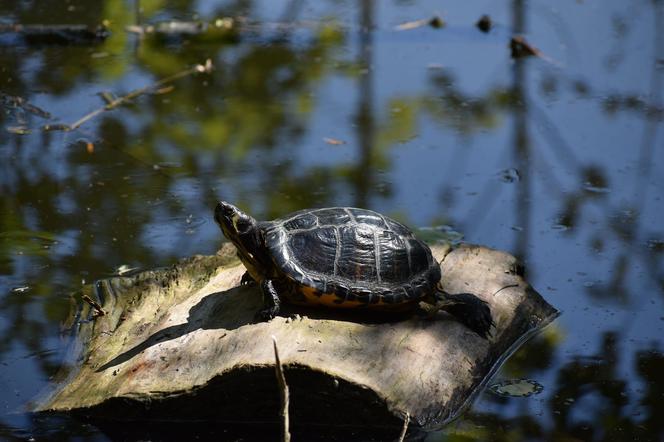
[{"x": 516, "y": 387}]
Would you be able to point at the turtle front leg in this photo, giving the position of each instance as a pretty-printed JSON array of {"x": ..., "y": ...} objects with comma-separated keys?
[
  {"x": 271, "y": 301},
  {"x": 247, "y": 279}
]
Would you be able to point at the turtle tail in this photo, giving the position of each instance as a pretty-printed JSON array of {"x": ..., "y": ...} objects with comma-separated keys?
[{"x": 469, "y": 309}]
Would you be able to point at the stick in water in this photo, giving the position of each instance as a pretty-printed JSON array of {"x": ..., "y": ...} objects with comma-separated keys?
[
  {"x": 406, "y": 421},
  {"x": 283, "y": 390},
  {"x": 199, "y": 68},
  {"x": 95, "y": 305}
]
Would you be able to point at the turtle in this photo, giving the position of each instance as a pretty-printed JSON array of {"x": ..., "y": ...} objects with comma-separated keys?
[{"x": 342, "y": 257}]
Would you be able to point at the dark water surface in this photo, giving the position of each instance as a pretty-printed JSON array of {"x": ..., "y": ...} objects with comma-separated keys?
[{"x": 556, "y": 159}]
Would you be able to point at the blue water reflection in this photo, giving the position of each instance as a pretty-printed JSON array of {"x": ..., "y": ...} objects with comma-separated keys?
[{"x": 556, "y": 159}]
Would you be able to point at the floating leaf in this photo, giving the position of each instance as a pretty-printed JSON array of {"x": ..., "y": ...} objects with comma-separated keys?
[
  {"x": 521, "y": 48},
  {"x": 334, "y": 141},
  {"x": 516, "y": 388}
]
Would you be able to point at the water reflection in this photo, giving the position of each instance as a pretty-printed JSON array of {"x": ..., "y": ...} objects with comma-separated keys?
[
  {"x": 555, "y": 162},
  {"x": 590, "y": 400}
]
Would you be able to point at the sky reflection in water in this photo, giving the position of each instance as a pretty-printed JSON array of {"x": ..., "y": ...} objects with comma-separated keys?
[{"x": 554, "y": 159}]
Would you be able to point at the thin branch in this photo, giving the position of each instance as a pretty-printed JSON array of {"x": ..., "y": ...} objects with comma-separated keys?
[
  {"x": 283, "y": 392},
  {"x": 434, "y": 22},
  {"x": 404, "y": 429},
  {"x": 95, "y": 305},
  {"x": 199, "y": 68},
  {"x": 24, "y": 104}
]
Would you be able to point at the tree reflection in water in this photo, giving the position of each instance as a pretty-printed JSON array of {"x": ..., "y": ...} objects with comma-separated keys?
[{"x": 136, "y": 185}]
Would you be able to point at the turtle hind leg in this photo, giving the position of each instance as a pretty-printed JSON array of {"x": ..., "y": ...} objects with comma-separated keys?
[
  {"x": 271, "y": 301},
  {"x": 473, "y": 312}
]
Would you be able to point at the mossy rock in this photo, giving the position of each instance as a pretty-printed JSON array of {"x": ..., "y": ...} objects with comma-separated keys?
[{"x": 180, "y": 344}]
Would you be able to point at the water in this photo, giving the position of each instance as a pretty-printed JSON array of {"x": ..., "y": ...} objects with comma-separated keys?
[{"x": 555, "y": 159}]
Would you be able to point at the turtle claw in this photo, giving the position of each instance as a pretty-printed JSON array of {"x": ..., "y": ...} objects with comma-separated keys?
[
  {"x": 247, "y": 279},
  {"x": 270, "y": 301},
  {"x": 265, "y": 315}
]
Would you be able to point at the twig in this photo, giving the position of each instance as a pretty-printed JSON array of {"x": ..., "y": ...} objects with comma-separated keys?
[
  {"x": 434, "y": 22},
  {"x": 520, "y": 48},
  {"x": 404, "y": 429},
  {"x": 199, "y": 68},
  {"x": 283, "y": 390},
  {"x": 95, "y": 305},
  {"x": 24, "y": 104}
]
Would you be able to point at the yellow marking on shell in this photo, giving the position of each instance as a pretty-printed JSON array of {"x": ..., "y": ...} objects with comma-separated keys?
[
  {"x": 311, "y": 298},
  {"x": 327, "y": 299}
]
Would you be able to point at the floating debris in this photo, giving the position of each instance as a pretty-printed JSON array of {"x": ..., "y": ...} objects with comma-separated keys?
[
  {"x": 168, "y": 165},
  {"x": 18, "y": 130},
  {"x": 484, "y": 24},
  {"x": 97, "y": 309},
  {"x": 560, "y": 227},
  {"x": 56, "y": 127},
  {"x": 22, "y": 289},
  {"x": 435, "y": 22},
  {"x": 510, "y": 175},
  {"x": 334, "y": 141},
  {"x": 589, "y": 187},
  {"x": 124, "y": 269},
  {"x": 656, "y": 245},
  {"x": 516, "y": 388},
  {"x": 595, "y": 181},
  {"x": 199, "y": 68},
  {"x": 164, "y": 90},
  {"x": 182, "y": 28},
  {"x": 521, "y": 48},
  {"x": 13, "y": 101},
  {"x": 108, "y": 97}
]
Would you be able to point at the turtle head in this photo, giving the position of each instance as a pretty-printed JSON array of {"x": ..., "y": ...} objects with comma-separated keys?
[
  {"x": 233, "y": 222},
  {"x": 241, "y": 229}
]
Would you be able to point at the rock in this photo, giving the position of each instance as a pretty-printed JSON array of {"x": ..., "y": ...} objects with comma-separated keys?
[{"x": 179, "y": 345}]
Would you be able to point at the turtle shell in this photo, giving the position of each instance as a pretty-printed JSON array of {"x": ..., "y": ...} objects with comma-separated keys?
[{"x": 348, "y": 257}]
